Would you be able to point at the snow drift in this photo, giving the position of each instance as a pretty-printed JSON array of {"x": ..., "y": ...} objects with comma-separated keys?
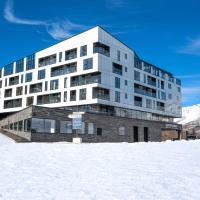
[{"x": 65, "y": 171}]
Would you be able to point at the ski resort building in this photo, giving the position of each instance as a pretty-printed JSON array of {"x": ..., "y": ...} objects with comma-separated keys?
[{"x": 124, "y": 97}]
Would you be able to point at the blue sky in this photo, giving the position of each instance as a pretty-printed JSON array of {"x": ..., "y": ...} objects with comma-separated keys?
[{"x": 163, "y": 32}]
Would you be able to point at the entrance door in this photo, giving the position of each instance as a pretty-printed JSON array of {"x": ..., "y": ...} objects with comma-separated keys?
[
  {"x": 146, "y": 134},
  {"x": 135, "y": 134}
]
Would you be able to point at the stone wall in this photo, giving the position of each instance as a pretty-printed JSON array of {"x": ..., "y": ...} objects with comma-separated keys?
[{"x": 110, "y": 126}]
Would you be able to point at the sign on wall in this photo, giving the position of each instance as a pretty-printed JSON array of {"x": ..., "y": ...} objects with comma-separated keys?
[{"x": 76, "y": 120}]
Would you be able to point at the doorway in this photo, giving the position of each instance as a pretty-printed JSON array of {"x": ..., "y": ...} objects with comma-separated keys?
[
  {"x": 146, "y": 134},
  {"x": 135, "y": 134}
]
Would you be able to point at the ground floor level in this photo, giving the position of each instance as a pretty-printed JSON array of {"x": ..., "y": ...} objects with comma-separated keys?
[{"x": 39, "y": 124}]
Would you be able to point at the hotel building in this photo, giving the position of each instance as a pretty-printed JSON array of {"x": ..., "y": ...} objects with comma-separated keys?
[{"x": 96, "y": 73}]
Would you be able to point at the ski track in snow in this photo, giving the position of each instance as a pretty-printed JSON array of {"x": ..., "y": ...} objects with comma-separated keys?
[{"x": 65, "y": 171}]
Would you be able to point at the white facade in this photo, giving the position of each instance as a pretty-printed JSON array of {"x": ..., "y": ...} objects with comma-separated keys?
[{"x": 162, "y": 101}]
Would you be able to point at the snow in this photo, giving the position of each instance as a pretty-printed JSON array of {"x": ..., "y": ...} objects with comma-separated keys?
[
  {"x": 189, "y": 114},
  {"x": 104, "y": 171}
]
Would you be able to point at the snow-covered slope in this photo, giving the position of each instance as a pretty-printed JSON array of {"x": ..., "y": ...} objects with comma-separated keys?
[
  {"x": 190, "y": 114},
  {"x": 65, "y": 171}
]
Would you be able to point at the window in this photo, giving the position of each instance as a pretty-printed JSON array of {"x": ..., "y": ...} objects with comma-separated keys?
[
  {"x": 163, "y": 95},
  {"x": 101, "y": 48},
  {"x": 0, "y": 83},
  {"x": 28, "y": 77},
  {"x": 117, "y": 69},
  {"x": 8, "y": 69},
  {"x": 22, "y": 78},
  {"x": 169, "y": 86},
  {"x": 169, "y": 96},
  {"x": 171, "y": 79},
  {"x": 60, "y": 57},
  {"x": 19, "y": 91},
  {"x": 65, "y": 82},
  {"x": 136, "y": 75},
  {"x": 26, "y": 89},
  {"x": 100, "y": 93},
  {"x": 15, "y": 126},
  {"x": 8, "y": 93},
  {"x": 160, "y": 106},
  {"x": 73, "y": 95},
  {"x": 46, "y": 85},
  {"x": 83, "y": 51},
  {"x": 14, "y": 80},
  {"x": 41, "y": 74},
  {"x": 82, "y": 95},
  {"x": 148, "y": 103},
  {"x": 65, "y": 96},
  {"x": 162, "y": 85},
  {"x": 122, "y": 130},
  {"x": 86, "y": 79},
  {"x": 43, "y": 125},
  {"x": 117, "y": 96},
  {"x": 126, "y": 56},
  {"x": 27, "y": 125},
  {"x": 34, "y": 88},
  {"x": 30, "y": 62},
  {"x": 155, "y": 71},
  {"x": 151, "y": 81},
  {"x": 48, "y": 60},
  {"x": 158, "y": 83},
  {"x": 54, "y": 84},
  {"x": 64, "y": 69},
  {"x": 29, "y": 101},
  {"x": 117, "y": 82},
  {"x": 138, "y": 101},
  {"x": 90, "y": 128},
  {"x": 143, "y": 90},
  {"x": 158, "y": 94},
  {"x": 49, "y": 98},
  {"x": 162, "y": 74},
  {"x": 66, "y": 127},
  {"x": 6, "y": 82},
  {"x": 126, "y": 96},
  {"x": 71, "y": 54},
  {"x": 126, "y": 69},
  {"x": 137, "y": 63},
  {"x": 179, "y": 89},
  {"x": 20, "y": 125},
  {"x": 19, "y": 66},
  {"x": 126, "y": 82},
  {"x": 147, "y": 67},
  {"x": 14, "y": 103},
  {"x": 88, "y": 63},
  {"x": 145, "y": 78},
  {"x": 118, "y": 55},
  {"x": 99, "y": 131}
]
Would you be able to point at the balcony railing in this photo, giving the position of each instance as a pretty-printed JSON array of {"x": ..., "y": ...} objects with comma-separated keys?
[
  {"x": 138, "y": 103},
  {"x": 153, "y": 83},
  {"x": 142, "y": 92}
]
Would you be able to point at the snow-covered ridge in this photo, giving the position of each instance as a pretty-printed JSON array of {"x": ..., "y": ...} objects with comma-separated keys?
[{"x": 190, "y": 114}]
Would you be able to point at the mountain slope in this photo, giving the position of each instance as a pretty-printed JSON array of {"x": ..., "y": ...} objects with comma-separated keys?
[{"x": 190, "y": 114}]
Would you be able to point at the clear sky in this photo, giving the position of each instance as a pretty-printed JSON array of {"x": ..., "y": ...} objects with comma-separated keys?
[{"x": 163, "y": 32}]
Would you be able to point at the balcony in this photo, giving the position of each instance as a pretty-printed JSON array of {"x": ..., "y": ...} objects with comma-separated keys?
[
  {"x": 86, "y": 79},
  {"x": 138, "y": 103},
  {"x": 36, "y": 88},
  {"x": 101, "y": 93}
]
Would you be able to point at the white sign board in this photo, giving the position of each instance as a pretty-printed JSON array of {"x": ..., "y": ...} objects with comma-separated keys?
[
  {"x": 77, "y": 123},
  {"x": 76, "y": 120}
]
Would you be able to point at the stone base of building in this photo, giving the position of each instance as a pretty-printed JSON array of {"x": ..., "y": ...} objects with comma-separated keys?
[{"x": 42, "y": 124}]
